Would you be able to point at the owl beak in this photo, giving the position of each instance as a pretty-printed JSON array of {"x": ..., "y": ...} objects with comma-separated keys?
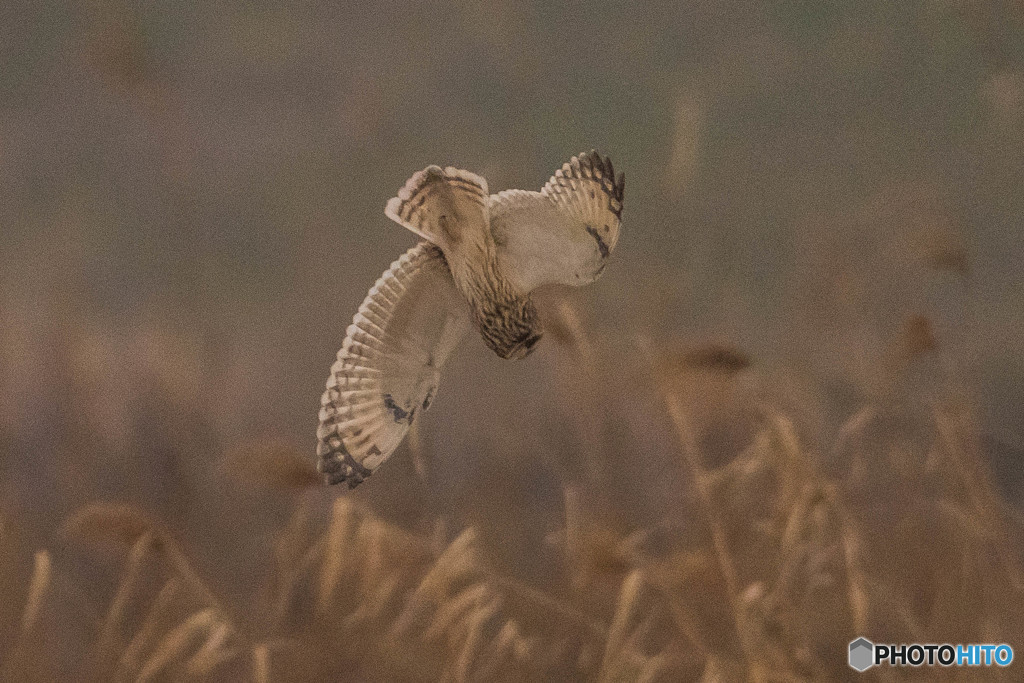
[{"x": 524, "y": 348}]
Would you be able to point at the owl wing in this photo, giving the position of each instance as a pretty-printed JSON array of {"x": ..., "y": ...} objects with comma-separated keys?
[
  {"x": 447, "y": 206},
  {"x": 564, "y": 233},
  {"x": 388, "y": 368}
]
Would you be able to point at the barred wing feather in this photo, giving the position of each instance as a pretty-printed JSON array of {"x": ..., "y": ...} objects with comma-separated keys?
[
  {"x": 388, "y": 368},
  {"x": 447, "y": 206}
]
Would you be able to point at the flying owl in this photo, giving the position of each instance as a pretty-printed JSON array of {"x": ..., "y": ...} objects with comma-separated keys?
[{"x": 481, "y": 257}]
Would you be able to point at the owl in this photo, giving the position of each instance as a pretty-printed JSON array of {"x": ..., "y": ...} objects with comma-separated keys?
[{"x": 481, "y": 256}]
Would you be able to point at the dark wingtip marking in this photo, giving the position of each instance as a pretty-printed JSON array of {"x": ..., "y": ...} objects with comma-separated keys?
[
  {"x": 601, "y": 169},
  {"x": 337, "y": 464},
  {"x": 333, "y": 463}
]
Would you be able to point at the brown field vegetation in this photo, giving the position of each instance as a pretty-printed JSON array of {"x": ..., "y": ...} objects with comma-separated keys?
[{"x": 781, "y": 546}]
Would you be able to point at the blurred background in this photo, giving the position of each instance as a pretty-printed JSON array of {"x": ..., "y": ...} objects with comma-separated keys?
[{"x": 820, "y": 254}]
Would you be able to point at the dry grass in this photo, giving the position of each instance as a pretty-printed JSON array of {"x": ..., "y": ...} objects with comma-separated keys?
[{"x": 775, "y": 555}]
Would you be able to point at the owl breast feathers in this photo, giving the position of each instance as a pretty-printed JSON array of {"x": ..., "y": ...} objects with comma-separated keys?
[{"x": 481, "y": 257}]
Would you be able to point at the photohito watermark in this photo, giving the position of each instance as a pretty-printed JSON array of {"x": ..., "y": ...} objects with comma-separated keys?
[{"x": 864, "y": 654}]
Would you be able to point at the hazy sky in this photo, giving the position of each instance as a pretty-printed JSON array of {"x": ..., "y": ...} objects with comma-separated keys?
[{"x": 219, "y": 174}]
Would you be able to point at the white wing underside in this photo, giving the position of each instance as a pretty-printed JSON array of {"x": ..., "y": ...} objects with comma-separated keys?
[
  {"x": 564, "y": 233},
  {"x": 388, "y": 368}
]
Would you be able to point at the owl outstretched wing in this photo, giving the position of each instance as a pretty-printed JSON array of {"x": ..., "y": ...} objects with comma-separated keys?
[
  {"x": 388, "y": 368},
  {"x": 564, "y": 233}
]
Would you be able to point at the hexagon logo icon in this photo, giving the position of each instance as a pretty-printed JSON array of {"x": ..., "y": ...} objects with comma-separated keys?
[{"x": 862, "y": 654}]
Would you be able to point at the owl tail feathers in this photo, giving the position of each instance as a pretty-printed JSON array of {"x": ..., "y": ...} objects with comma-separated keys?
[{"x": 436, "y": 202}]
